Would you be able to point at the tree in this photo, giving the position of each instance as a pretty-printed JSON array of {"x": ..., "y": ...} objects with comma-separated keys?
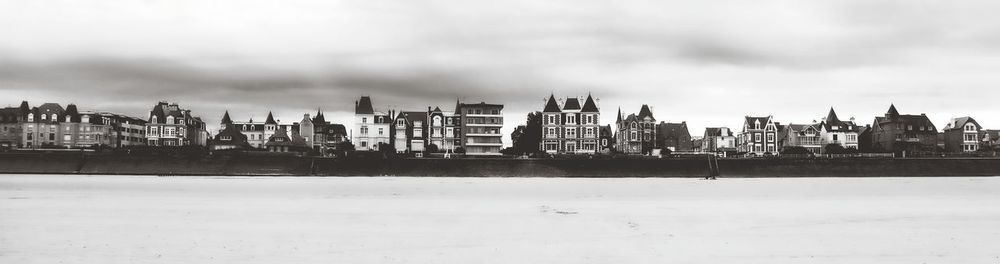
[
  {"x": 527, "y": 138},
  {"x": 432, "y": 148},
  {"x": 834, "y": 149},
  {"x": 459, "y": 150},
  {"x": 664, "y": 153},
  {"x": 795, "y": 150}
]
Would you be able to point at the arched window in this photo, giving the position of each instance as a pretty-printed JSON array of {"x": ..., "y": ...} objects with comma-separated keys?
[
  {"x": 170, "y": 119},
  {"x": 153, "y": 119},
  {"x": 44, "y": 116}
]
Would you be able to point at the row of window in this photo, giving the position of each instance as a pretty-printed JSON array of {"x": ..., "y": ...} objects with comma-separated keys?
[{"x": 589, "y": 119}]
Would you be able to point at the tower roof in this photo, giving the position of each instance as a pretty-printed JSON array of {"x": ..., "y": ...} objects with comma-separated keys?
[
  {"x": 364, "y": 106},
  {"x": 892, "y": 110},
  {"x": 572, "y": 104},
  {"x": 270, "y": 119},
  {"x": 551, "y": 105},
  {"x": 226, "y": 119},
  {"x": 644, "y": 112},
  {"x": 590, "y": 105}
]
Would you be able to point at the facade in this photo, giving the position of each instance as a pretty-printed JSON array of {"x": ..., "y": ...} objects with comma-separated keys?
[
  {"x": 718, "y": 140},
  {"x": 805, "y": 136},
  {"x": 257, "y": 133},
  {"x": 444, "y": 129},
  {"x": 897, "y": 133},
  {"x": 759, "y": 136},
  {"x": 607, "y": 140},
  {"x": 637, "y": 133},
  {"x": 480, "y": 126},
  {"x": 283, "y": 142},
  {"x": 372, "y": 128},
  {"x": 324, "y": 137},
  {"x": 11, "y": 125},
  {"x": 410, "y": 132},
  {"x": 51, "y": 126},
  {"x": 962, "y": 134},
  {"x": 990, "y": 139},
  {"x": 170, "y": 125},
  {"x": 835, "y": 131},
  {"x": 229, "y": 138},
  {"x": 571, "y": 128},
  {"x": 110, "y": 129},
  {"x": 674, "y": 136}
]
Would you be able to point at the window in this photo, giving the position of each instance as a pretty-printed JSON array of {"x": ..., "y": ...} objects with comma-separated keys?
[
  {"x": 970, "y": 127},
  {"x": 634, "y": 135},
  {"x": 380, "y": 131},
  {"x": 756, "y": 137},
  {"x": 834, "y": 137},
  {"x": 400, "y": 122},
  {"x": 551, "y": 131},
  {"x": 364, "y": 120},
  {"x": 44, "y": 116},
  {"x": 770, "y": 137},
  {"x": 571, "y": 132},
  {"x": 31, "y": 117},
  {"x": 634, "y": 125},
  {"x": 909, "y": 127},
  {"x": 570, "y": 119},
  {"x": 495, "y": 111}
]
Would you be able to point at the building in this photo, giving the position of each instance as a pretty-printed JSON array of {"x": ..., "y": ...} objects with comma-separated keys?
[
  {"x": 257, "y": 133},
  {"x": 962, "y": 134},
  {"x": 480, "y": 126},
  {"x": 283, "y": 142},
  {"x": 607, "y": 140},
  {"x": 718, "y": 140},
  {"x": 170, "y": 125},
  {"x": 410, "y": 131},
  {"x": 835, "y": 131},
  {"x": 111, "y": 130},
  {"x": 229, "y": 138},
  {"x": 324, "y": 137},
  {"x": 637, "y": 133},
  {"x": 801, "y": 135},
  {"x": 51, "y": 126},
  {"x": 759, "y": 136},
  {"x": 372, "y": 128},
  {"x": 11, "y": 127},
  {"x": 570, "y": 128},
  {"x": 894, "y": 132},
  {"x": 990, "y": 139},
  {"x": 444, "y": 129},
  {"x": 674, "y": 136}
]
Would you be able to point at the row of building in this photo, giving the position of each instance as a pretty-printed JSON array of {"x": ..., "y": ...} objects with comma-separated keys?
[
  {"x": 50, "y": 125},
  {"x": 569, "y": 127}
]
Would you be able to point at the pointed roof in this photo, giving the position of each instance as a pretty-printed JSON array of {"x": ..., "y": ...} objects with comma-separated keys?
[
  {"x": 959, "y": 123},
  {"x": 319, "y": 118},
  {"x": 24, "y": 107},
  {"x": 572, "y": 104},
  {"x": 589, "y": 105},
  {"x": 551, "y": 105},
  {"x": 226, "y": 119},
  {"x": 619, "y": 115},
  {"x": 364, "y": 106},
  {"x": 892, "y": 110},
  {"x": 437, "y": 109},
  {"x": 644, "y": 112},
  {"x": 832, "y": 117},
  {"x": 270, "y": 119}
]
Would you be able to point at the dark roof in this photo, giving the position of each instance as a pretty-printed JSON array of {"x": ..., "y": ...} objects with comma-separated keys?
[
  {"x": 959, "y": 123},
  {"x": 295, "y": 140},
  {"x": 338, "y": 129},
  {"x": 644, "y": 112},
  {"x": 992, "y": 133},
  {"x": 571, "y": 104},
  {"x": 364, "y": 106},
  {"x": 412, "y": 116},
  {"x": 319, "y": 118},
  {"x": 673, "y": 130},
  {"x": 270, "y": 119},
  {"x": 590, "y": 105},
  {"x": 717, "y": 132},
  {"x": 226, "y": 119},
  {"x": 437, "y": 109},
  {"x": 892, "y": 110},
  {"x": 606, "y": 130},
  {"x": 755, "y": 119},
  {"x": 619, "y": 114},
  {"x": 551, "y": 105},
  {"x": 842, "y": 126},
  {"x": 73, "y": 113},
  {"x": 910, "y": 120}
]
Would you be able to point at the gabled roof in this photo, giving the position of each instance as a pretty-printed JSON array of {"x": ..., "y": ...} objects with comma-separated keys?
[
  {"x": 644, "y": 112},
  {"x": 754, "y": 119},
  {"x": 590, "y": 105},
  {"x": 673, "y": 130},
  {"x": 338, "y": 129},
  {"x": 571, "y": 104},
  {"x": 717, "y": 132},
  {"x": 364, "y": 106},
  {"x": 606, "y": 130},
  {"x": 412, "y": 116},
  {"x": 832, "y": 123},
  {"x": 959, "y": 123}
]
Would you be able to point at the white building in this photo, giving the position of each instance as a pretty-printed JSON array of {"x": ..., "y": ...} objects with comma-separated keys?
[{"x": 371, "y": 128}]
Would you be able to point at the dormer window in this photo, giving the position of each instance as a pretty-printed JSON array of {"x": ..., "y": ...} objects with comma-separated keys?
[
  {"x": 86, "y": 119},
  {"x": 31, "y": 117},
  {"x": 67, "y": 118},
  {"x": 170, "y": 119},
  {"x": 44, "y": 117},
  {"x": 154, "y": 119}
]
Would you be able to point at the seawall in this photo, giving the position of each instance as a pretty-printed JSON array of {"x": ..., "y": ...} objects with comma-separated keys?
[{"x": 75, "y": 163}]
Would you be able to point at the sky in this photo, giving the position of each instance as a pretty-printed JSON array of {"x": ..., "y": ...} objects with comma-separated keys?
[{"x": 709, "y": 63}]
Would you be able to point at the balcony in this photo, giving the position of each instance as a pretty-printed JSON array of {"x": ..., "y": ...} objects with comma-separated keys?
[
  {"x": 484, "y": 144},
  {"x": 483, "y": 135}
]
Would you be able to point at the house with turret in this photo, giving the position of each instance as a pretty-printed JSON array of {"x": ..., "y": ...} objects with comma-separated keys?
[
  {"x": 895, "y": 132},
  {"x": 637, "y": 133},
  {"x": 371, "y": 128},
  {"x": 570, "y": 127}
]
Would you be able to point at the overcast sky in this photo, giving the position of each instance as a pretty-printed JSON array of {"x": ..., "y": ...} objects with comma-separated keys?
[{"x": 705, "y": 62}]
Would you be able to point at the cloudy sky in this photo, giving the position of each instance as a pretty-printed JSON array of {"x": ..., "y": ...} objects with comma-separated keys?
[{"x": 705, "y": 62}]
